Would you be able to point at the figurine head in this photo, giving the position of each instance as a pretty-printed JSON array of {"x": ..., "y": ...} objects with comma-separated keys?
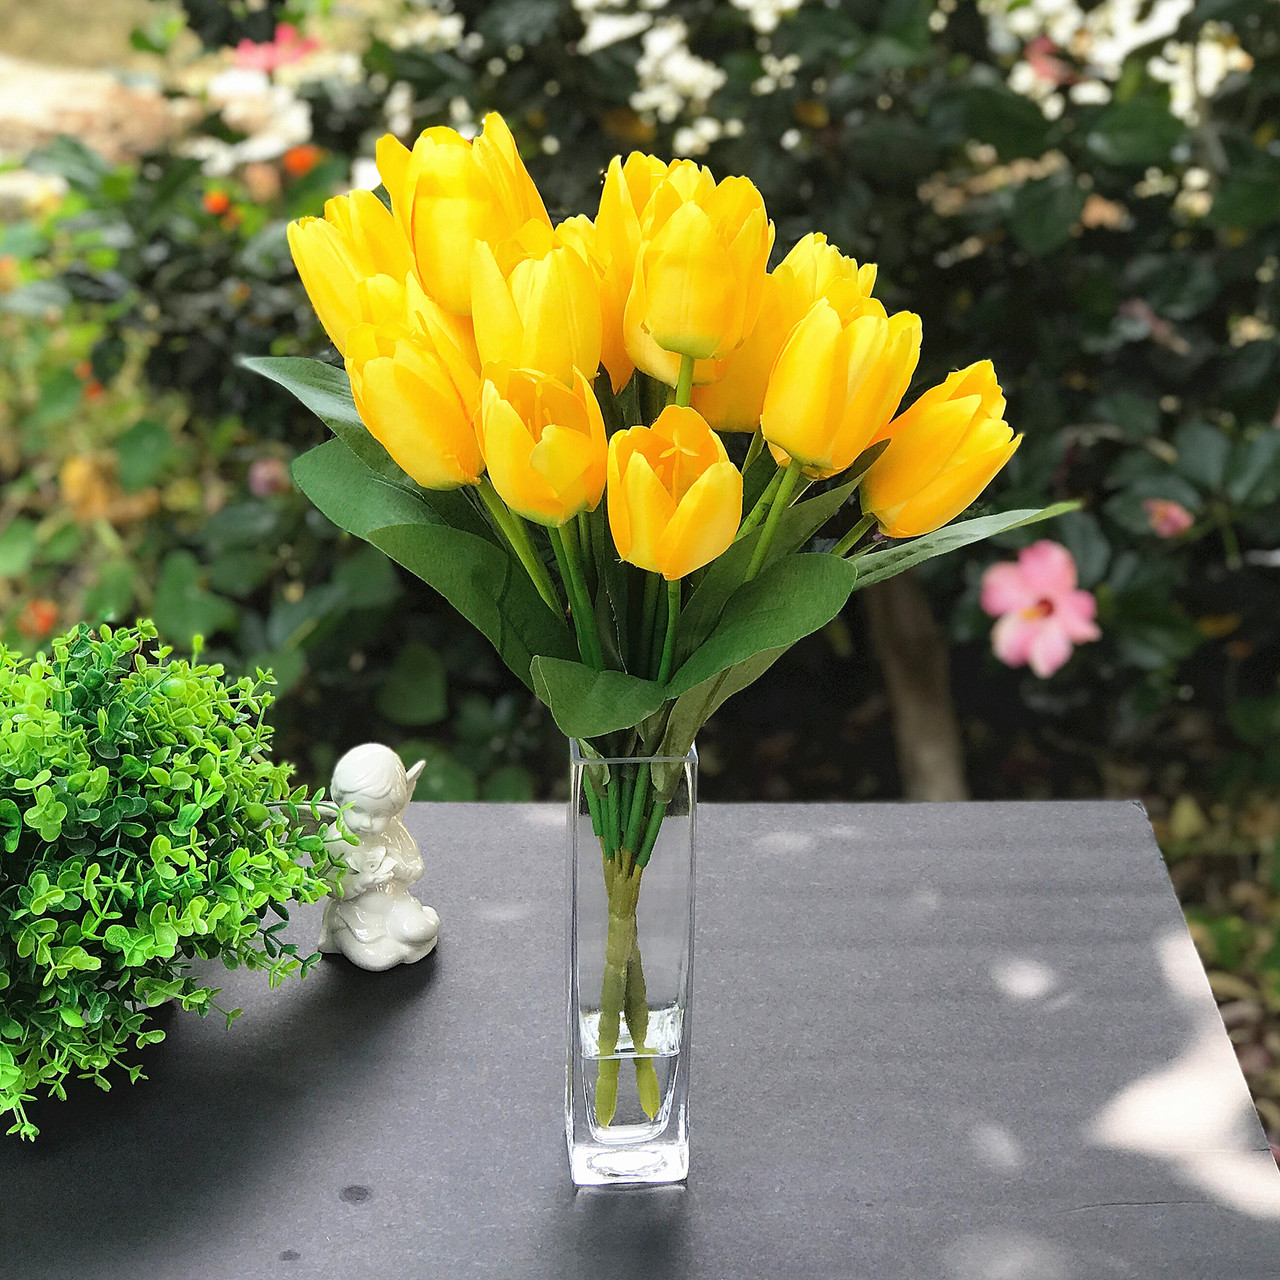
[{"x": 373, "y": 782}]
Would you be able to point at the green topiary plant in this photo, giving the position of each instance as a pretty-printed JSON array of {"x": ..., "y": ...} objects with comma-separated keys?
[{"x": 142, "y": 825}]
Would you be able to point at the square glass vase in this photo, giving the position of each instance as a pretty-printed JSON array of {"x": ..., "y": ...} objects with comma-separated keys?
[{"x": 632, "y": 824}]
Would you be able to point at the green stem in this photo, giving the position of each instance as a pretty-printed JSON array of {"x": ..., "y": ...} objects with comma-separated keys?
[
  {"x": 647, "y": 619},
  {"x": 756, "y": 514},
  {"x": 781, "y": 500},
  {"x": 684, "y": 385},
  {"x": 583, "y": 532},
  {"x": 673, "y": 619},
  {"x": 584, "y": 613},
  {"x": 593, "y": 807},
  {"x": 518, "y": 536},
  {"x": 651, "y": 834},
  {"x": 753, "y": 450},
  {"x": 636, "y": 1009},
  {"x": 631, "y": 838},
  {"x": 629, "y": 401},
  {"x": 850, "y": 539}
]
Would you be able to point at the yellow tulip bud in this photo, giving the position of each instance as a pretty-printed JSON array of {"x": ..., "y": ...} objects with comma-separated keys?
[
  {"x": 943, "y": 451},
  {"x": 675, "y": 499},
  {"x": 544, "y": 444},
  {"x": 734, "y": 401},
  {"x": 536, "y": 304},
  {"x": 419, "y": 402},
  {"x": 449, "y": 193},
  {"x": 838, "y": 381},
  {"x": 627, "y": 188},
  {"x": 356, "y": 238},
  {"x": 700, "y": 270},
  {"x": 401, "y": 308}
]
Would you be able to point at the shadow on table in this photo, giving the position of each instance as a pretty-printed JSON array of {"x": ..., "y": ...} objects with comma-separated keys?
[
  {"x": 204, "y": 1126},
  {"x": 639, "y": 1231}
]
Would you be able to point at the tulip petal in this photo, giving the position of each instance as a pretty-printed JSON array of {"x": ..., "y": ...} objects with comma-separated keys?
[
  {"x": 705, "y": 523},
  {"x": 919, "y": 450},
  {"x": 949, "y": 494},
  {"x": 805, "y": 377},
  {"x": 498, "y": 328},
  {"x": 650, "y": 509}
]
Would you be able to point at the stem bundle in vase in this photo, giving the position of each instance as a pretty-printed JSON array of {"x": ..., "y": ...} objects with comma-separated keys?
[{"x": 639, "y": 461}]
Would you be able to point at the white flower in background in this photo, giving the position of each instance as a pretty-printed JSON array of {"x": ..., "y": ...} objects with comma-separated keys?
[
  {"x": 430, "y": 31},
  {"x": 397, "y": 108},
  {"x": 604, "y": 29},
  {"x": 1101, "y": 38},
  {"x": 272, "y": 116},
  {"x": 1196, "y": 72},
  {"x": 671, "y": 78},
  {"x": 364, "y": 174},
  {"x": 696, "y": 139},
  {"x": 765, "y": 15}
]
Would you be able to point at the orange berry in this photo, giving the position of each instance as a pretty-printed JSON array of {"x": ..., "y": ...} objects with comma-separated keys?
[{"x": 297, "y": 162}]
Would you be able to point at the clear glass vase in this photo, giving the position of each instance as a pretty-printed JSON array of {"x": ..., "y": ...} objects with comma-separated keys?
[{"x": 631, "y": 863}]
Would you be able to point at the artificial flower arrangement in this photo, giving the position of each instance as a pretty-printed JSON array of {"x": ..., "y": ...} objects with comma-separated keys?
[{"x": 614, "y": 446}]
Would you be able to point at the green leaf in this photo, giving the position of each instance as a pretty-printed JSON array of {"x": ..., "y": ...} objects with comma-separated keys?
[
  {"x": 183, "y": 607},
  {"x": 17, "y": 547},
  {"x": 144, "y": 451},
  {"x": 1202, "y": 453},
  {"x": 1045, "y": 210},
  {"x": 326, "y": 391},
  {"x": 511, "y": 782},
  {"x": 798, "y": 524},
  {"x": 443, "y": 777},
  {"x": 1137, "y": 132},
  {"x": 876, "y": 566},
  {"x": 587, "y": 703},
  {"x": 693, "y": 709},
  {"x": 1014, "y": 125},
  {"x": 414, "y": 691},
  {"x": 109, "y": 599},
  {"x": 487, "y": 586},
  {"x": 789, "y": 600}
]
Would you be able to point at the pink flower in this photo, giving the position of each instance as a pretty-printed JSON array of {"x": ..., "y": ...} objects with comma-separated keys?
[
  {"x": 1167, "y": 518},
  {"x": 288, "y": 46},
  {"x": 1041, "y": 612}
]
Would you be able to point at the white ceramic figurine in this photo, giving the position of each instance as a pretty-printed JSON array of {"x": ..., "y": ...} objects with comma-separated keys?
[{"x": 372, "y": 918}]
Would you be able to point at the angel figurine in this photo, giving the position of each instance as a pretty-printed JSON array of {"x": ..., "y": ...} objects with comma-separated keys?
[{"x": 372, "y": 918}]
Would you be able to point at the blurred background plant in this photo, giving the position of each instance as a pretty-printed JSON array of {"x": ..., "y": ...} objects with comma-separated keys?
[{"x": 1088, "y": 193}]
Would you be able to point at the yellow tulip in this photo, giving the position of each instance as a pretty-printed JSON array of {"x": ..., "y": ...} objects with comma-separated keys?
[
  {"x": 943, "y": 451},
  {"x": 734, "y": 401},
  {"x": 536, "y": 304},
  {"x": 356, "y": 238},
  {"x": 544, "y": 444},
  {"x": 838, "y": 381},
  {"x": 449, "y": 193},
  {"x": 616, "y": 241},
  {"x": 700, "y": 270},
  {"x": 401, "y": 308},
  {"x": 675, "y": 499},
  {"x": 419, "y": 402}
]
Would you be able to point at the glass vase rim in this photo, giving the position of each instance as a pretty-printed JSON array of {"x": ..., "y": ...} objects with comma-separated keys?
[{"x": 577, "y": 758}]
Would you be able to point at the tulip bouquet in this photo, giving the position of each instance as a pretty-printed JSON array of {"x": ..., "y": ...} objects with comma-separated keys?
[{"x": 539, "y": 420}]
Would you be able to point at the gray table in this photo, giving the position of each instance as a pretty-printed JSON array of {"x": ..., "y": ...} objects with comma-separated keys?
[{"x": 970, "y": 1042}]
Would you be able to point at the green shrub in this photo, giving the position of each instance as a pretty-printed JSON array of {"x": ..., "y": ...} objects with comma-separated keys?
[{"x": 142, "y": 825}]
